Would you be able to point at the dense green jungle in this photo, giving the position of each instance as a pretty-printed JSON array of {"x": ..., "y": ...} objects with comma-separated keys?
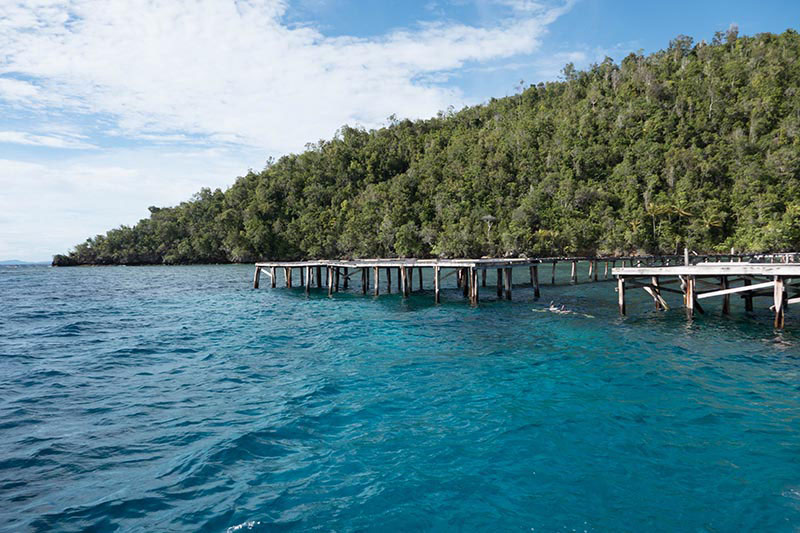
[{"x": 697, "y": 145}]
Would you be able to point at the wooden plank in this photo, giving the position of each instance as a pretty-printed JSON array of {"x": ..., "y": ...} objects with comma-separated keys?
[
  {"x": 747, "y": 287},
  {"x": 657, "y": 298}
]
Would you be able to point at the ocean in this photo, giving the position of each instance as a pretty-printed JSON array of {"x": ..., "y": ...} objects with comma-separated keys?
[{"x": 180, "y": 399}]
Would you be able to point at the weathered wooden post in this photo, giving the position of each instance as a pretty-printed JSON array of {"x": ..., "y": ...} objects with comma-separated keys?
[
  {"x": 748, "y": 296},
  {"x": 574, "y": 274},
  {"x": 388, "y": 280},
  {"x": 621, "y": 294},
  {"x": 364, "y": 280},
  {"x": 404, "y": 281},
  {"x": 553, "y": 280},
  {"x": 499, "y": 282},
  {"x": 272, "y": 277},
  {"x": 605, "y": 272},
  {"x": 399, "y": 281},
  {"x": 410, "y": 279},
  {"x": 535, "y": 276},
  {"x": 302, "y": 276},
  {"x": 594, "y": 278},
  {"x": 656, "y": 292},
  {"x": 459, "y": 274},
  {"x": 319, "y": 277},
  {"x": 307, "y": 283},
  {"x": 483, "y": 277},
  {"x": 346, "y": 278},
  {"x": 336, "y": 279},
  {"x": 376, "y": 273},
  {"x": 508, "y": 282},
  {"x": 419, "y": 271},
  {"x": 256, "y": 277},
  {"x": 686, "y": 257},
  {"x": 464, "y": 281},
  {"x": 473, "y": 286},
  {"x": 436, "y": 284},
  {"x": 726, "y": 299},
  {"x": 690, "y": 296},
  {"x": 779, "y": 302},
  {"x": 591, "y": 269},
  {"x": 330, "y": 280},
  {"x": 288, "y": 274}
]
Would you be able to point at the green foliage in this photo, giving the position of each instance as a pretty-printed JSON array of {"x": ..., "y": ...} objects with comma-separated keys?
[{"x": 695, "y": 145}]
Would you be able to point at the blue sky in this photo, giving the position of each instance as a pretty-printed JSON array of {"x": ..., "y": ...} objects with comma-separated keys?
[{"x": 109, "y": 106}]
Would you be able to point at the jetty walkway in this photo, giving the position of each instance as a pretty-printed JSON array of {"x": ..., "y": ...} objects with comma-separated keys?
[{"x": 471, "y": 274}]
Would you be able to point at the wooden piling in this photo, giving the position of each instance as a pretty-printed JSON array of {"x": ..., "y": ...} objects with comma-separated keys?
[
  {"x": 591, "y": 269},
  {"x": 404, "y": 281},
  {"x": 336, "y": 279},
  {"x": 256, "y": 277},
  {"x": 376, "y": 272},
  {"x": 319, "y": 277},
  {"x": 388, "y": 281},
  {"x": 535, "y": 280},
  {"x": 507, "y": 271},
  {"x": 748, "y": 296},
  {"x": 656, "y": 292},
  {"x": 307, "y": 280},
  {"x": 464, "y": 281},
  {"x": 419, "y": 271},
  {"x": 302, "y": 276},
  {"x": 399, "y": 281},
  {"x": 726, "y": 299},
  {"x": 483, "y": 277},
  {"x": 779, "y": 297},
  {"x": 346, "y": 278},
  {"x": 605, "y": 272},
  {"x": 499, "y": 282},
  {"x": 594, "y": 268},
  {"x": 689, "y": 297},
  {"x": 553, "y": 279},
  {"x": 410, "y": 279},
  {"x": 329, "y": 277},
  {"x": 287, "y": 273},
  {"x": 621, "y": 295},
  {"x": 272, "y": 277},
  {"x": 574, "y": 275},
  {"x": 436, "y": 282},
  {"x": 364, "y": 280}
]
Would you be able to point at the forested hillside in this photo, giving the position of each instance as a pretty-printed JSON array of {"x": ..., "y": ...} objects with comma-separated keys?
[{"x": 697, "y": 145}]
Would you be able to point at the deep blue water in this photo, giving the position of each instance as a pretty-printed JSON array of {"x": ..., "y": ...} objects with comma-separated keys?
[{"x": 180, "y": 399}]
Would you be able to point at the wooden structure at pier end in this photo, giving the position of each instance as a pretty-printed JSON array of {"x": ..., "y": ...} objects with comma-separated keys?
[{"x": 697, "y": 281}]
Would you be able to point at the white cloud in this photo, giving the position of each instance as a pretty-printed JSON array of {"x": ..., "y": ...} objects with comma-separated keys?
[
  {"x": 50, "y": 141},
  {"x": 232, "y": 69},
  {"x": 48, "y": 207}
]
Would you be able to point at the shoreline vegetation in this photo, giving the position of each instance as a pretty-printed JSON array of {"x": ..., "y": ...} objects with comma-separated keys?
[{"x": 696, "y": 146}]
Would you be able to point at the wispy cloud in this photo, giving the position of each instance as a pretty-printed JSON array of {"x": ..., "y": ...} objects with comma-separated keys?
[
  {"x": 233, "y": 69},
  {"x": 50, "y": 141}
]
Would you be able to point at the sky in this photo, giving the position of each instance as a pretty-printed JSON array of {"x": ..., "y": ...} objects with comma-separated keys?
[{"x": 110, "y": 106}]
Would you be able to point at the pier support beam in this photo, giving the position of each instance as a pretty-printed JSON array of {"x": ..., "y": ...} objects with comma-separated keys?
[
  {"x": 364, "y": 280},
  {"x": 319, "y": 277},
  {"x": 689, "y": 296},
  {"x": 535, "y": 280},
  {"x": 748, "y": 296},
  {"x": 377, "y": 273},
  {"x": 419, "y": 271},
  {"x": 336, "y": 279},
  {"x": 499, "y": 282},
  {"x": 272, "y": 277},
  {"x": 388, "y": 281},
  {"x": 508, "y": 282},
  {"x": 404, "y": 281},
  {"x": 780, "y": 302},
  {"x": 329, "y": 276},
  {"x": 409, "y": 280},
  {"x": 553, "y": 279},
  {"x": 726, "y": 299},
  {"x": 346, "y": 278},
  {"x": 307, "y": 280},
  {"x": 465, "y": 281},
  {"x": 256, "y": 277},
  {"x": 656, "y": 292},
  {"x": 621, "y": 295},
  {"x": 574, "y": 275},
  {"x": 436, "y": 282}
]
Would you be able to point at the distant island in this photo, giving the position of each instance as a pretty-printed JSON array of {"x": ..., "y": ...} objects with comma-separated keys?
[{"x": 697, "y": 145}]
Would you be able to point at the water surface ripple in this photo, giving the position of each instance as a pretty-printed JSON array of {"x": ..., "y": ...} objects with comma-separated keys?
[{"x": 179, "y": 399}]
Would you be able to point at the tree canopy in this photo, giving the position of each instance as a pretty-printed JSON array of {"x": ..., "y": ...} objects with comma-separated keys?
[{"x": 697, "y": 145}]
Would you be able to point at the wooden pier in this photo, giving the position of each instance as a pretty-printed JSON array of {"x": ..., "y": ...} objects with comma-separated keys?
[
  {"x": 704, "y": 280},
  {"x": 376, "y": 275}
]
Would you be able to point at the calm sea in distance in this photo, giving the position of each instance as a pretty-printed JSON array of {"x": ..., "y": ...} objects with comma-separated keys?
[{"x": 180, "y": 399}]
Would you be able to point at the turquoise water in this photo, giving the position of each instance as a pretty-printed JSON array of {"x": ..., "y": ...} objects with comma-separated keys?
[{"x": 179, "y": 399}]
